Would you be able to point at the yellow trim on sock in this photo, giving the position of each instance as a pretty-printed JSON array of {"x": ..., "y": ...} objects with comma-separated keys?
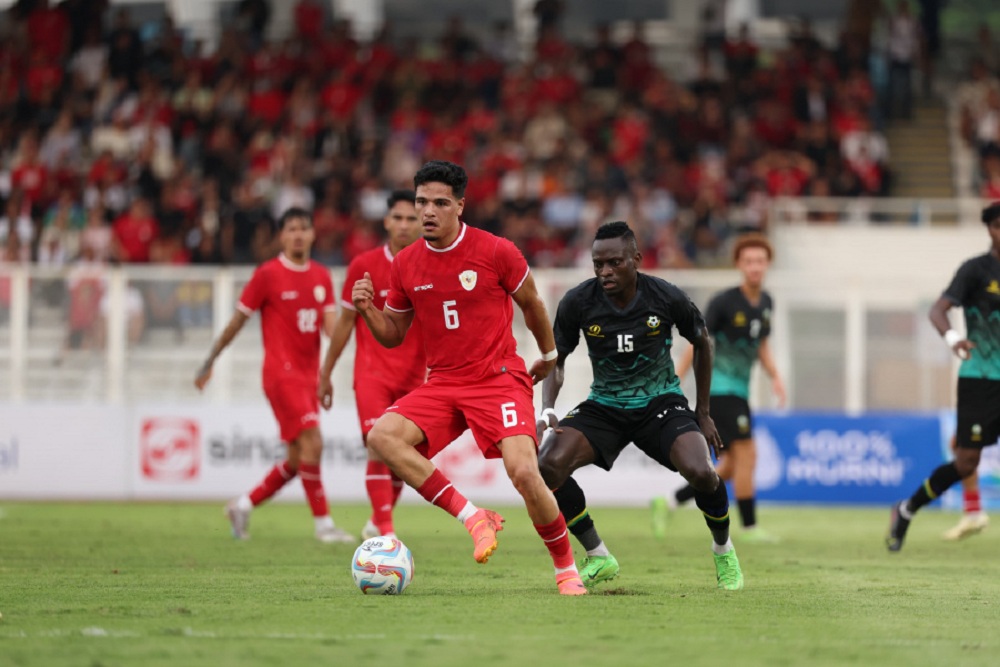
[
  {"x": 578, "y": 517},
  {"x": 928, "y": 490},
  {"x": 718, "y": 519}
]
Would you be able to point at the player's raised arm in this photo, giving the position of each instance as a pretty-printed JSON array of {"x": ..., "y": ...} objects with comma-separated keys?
[
  {"x": 225, "y": 338},
  {"x": 388, "y": 326},
  {"x": 536, "y": 318}
]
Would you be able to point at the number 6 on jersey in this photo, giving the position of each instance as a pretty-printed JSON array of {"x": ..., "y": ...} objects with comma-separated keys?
[{"x": 450, "y": 315}]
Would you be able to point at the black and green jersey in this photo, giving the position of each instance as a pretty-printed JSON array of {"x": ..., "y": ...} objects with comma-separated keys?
[
  {"x": 737, "y": 327},
  {"x": 629, "y": 347},
  {"x": 976, "y": 288}
]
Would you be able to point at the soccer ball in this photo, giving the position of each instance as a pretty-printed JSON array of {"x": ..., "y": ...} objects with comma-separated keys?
[{"x": 382, "y": 566}]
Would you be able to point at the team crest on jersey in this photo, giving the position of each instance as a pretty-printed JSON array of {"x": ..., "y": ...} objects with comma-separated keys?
[
  {"x": 594, "y": 330},
  {"x": 993, "y": 287},
  {"x": 653, "y": 321},
  {"x": 320, "y": 293},
  {"x": 739, "y": 319},
  {"x": 468, "y": 280},
  {"x": 977, "y": 433},
  {"x": 743, "y": 424}
]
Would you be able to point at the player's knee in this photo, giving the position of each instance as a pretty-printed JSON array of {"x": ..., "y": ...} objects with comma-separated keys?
[
  {"x": 704, "y": 479},
  {"x": 554, "y": 473},
  {"x": 523, "y": 476},
  {"x": 966, "y": 467}
]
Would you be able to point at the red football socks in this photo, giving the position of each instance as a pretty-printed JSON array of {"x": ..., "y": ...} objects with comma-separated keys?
[
  {"x": 312, "y": 484},
  {"x": 279, "y": 475},
  {"x": 439, "y": 491},
  {"x": 556, "y": 538},
  {"x": 378, "y": 483}
]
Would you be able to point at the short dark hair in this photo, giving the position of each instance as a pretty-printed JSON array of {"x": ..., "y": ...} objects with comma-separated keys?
[
  {"x": 991, "y": 213},
  {"x": 440, "y": 171},
  {"x": 397, "y": 196},
  {"x": 617, "y": 230},
  {"x": 294, "y": 212}
]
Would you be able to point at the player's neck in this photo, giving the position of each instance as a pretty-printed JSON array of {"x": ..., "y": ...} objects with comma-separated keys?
[
  {"x": 623, "y": 299},
  {"x": 751, "y": 292},
  {"x": 299, "y": 261},
  {"x": 448, "y": 240}
]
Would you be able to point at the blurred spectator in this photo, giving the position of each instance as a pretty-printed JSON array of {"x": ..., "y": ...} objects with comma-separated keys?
[
  {"x": 903, "y": 48},
  {"x": 866, "y": 153},
  {"x": 85, "y": 284},
  {"x": 134, "y": 233},
  {"x": 17, "y": 230}
]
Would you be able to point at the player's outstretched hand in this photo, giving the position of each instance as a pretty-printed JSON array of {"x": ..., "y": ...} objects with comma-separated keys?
[
  {"x": 711, "y": 434},
  {"x": 204, "y": 375},
  {"x": 541, "y": 369},
  {"x": 325, "y": 393},
  {"x": 963, "y": 348},
  {"x": 544, "y": 423},
  {"x": 363, "y": 293}
]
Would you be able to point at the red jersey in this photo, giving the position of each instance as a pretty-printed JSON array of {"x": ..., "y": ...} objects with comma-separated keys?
[
  {"x": 461, "y": 300},
  {"x": 292, "y": 300},
  {"x": 400, "y": 366}
]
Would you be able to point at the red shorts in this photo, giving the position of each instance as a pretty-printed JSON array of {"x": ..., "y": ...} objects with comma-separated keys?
[
  {"x": 295, "y": 406},
  {"x": 373, "y": 398},
  {"x": 495, "y": 408}
]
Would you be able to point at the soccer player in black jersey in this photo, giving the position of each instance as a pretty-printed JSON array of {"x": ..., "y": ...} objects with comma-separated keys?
[
  {"x": 627, "y": 319},
  {"x": 739, "y": 320},
  {"x": 976, "y": 288}
]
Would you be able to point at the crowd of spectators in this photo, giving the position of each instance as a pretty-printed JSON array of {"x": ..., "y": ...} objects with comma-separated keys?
[
  {"x": 127, "y": 145},
  {"x": 978, "y": 99}
]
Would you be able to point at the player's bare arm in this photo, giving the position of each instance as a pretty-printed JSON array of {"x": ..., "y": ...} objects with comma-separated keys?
[
  {"x": 338, "y": 328},
  {"x": 225, "y": 338},
  {"x": 536, "y": 318},
  {"x": 702, "y": 346},
  {"x": 387, "y": 326},
  {"x": 767, "y": 363},
  {"x": 939, "y": 318},
  {"x": 551, "y": 386}
]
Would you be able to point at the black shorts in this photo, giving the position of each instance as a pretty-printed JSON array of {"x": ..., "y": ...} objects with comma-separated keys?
[
  {"x": 978, "y": 413},
  {"x": 732, "y": 418},
  {"x": 653, "y": 428}
]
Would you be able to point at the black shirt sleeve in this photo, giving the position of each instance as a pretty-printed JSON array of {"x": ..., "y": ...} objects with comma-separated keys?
[
  {"x": 567, "y": 324},
  {"x": 961, "y": 284},
  {"x": 686, "y": 316}
]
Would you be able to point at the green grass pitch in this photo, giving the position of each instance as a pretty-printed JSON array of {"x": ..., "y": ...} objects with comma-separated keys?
[{"x": 163, "y": 584}]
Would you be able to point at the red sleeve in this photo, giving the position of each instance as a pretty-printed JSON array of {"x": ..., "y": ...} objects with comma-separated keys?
[
  {"x": 355, "y": 272},
  {"x": 511, "y": 265},
  {"x": 397, "y": 299},
  {"x": 252, "y": 297}
]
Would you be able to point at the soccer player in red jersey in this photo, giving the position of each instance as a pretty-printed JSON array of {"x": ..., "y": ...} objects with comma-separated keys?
[
  {"x": 457, "y": 286},
  {"x": 381, "y": 376},
  {"x": 295, "y": 298}
]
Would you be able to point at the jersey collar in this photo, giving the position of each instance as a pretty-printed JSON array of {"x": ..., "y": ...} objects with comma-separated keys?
[
  {"x": 388, "y": 253},
  {"x": 454, "y": 244},
  {"x": 292, "y": 266}
]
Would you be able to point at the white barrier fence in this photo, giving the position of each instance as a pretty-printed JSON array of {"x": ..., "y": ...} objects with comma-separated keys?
[{"x": 197, "y": 452}]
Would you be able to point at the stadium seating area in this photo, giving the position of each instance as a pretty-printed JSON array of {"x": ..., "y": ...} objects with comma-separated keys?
[{"x": 124, "y": 148}]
